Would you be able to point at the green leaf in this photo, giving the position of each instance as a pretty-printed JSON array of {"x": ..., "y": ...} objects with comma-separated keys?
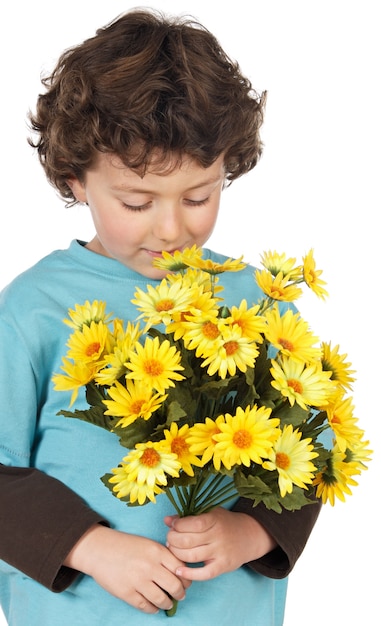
[
  {"x": 180, "y": 398},
  {"x": 213, "y": 388},
  {"x": 105, "y": 480},
  {"x": 137, "y": 432},
  {"x": 294, "y": 415},
  {"x": 271, "y": 502},
  {"x": 94, "y": 415},
  {"x": 250, "y": 486},
  {"x": 95, "y": 395},
  {"x": 296, "y": 499},
  {"x": 182, "y": 480},
  {"x": 174, "y": 412}
]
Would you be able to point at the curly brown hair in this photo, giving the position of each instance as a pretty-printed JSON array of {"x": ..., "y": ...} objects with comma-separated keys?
[{"x": 146, "y": 82}]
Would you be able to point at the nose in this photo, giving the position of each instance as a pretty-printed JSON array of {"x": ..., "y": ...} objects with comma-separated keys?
[{"x": 168, "y": 223}]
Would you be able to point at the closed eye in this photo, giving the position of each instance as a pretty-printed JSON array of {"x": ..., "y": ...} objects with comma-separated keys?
[
  {"x": 197, "y": 202},
  {"x": 137, "y": 207}
]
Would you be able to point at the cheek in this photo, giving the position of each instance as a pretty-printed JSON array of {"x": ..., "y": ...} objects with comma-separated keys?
[
  {"x": 208, "y": 219},
  {"x": 117, "y": 226}
]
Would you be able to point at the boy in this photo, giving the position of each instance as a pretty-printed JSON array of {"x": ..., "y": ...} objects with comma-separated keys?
[{"x": 145, "y": 123}]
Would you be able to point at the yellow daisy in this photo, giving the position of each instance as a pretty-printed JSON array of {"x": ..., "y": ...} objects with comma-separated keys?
[
  {"x": 159, "y": 303},
  {"x": 307, "y": 385},
  {"x": 193, "y": 276},
  {"x": 212, "y": 267},
  {"x": 115, "y": 361},
  {"x": 143, "y": 472},
  {"x": 84, "y": 314},
  {"x": 202, "y": 304},
  {"x": 291, "y": 335},
  {"x": 334, "y": 480},
  {"x": 178, "y": 260},
  {"x": 202, "y": 332},
  {"x": 155, "y": 363},
  {"x": 342, "y": 421},
  {"x": 334, "y": 362},
  {"x": 90, "y": 343},
  {"x": 246, "y": 437},
  {"x": 177, "y": 441},
  {"x": 134, "y": 400},
  {"x": 275, "y": 263},
  {"x": 278, "y": 287},
  {"x": 232, "y": 352},
  {"x": 76, "y": 376},
  {"x": 291, "y": 456},
  {"x": 201, "y": 438},
  {"x": 311, "y": 276},
  {"x": 358, "y": 454},
  {"x": 252, "y": 326}
]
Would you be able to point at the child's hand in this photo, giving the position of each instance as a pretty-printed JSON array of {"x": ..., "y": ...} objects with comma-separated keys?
[
  {"x": 135, "y": 569},
  {"x": 221, "y": 539}
]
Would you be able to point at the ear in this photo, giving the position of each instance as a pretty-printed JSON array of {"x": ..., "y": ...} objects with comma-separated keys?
[{"x": 78, "y": 189}]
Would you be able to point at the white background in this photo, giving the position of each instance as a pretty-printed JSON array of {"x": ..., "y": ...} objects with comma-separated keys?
[{"x": 317, "y": 186}]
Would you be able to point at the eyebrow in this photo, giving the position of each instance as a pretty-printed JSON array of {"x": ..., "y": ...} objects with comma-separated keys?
[{"x": 205, "y": 183}]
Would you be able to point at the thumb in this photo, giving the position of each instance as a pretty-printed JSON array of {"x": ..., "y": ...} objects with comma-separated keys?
[{"x": 169, "y": 520}]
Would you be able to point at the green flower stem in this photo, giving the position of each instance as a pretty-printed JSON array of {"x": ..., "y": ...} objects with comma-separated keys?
[
  {"x": 210, "y": 487},
  {"x": 171, "y": 612},
  {"x": 174, "y": 503},
  {"x": 192, "y": 492},
  {"x": 181, "y": 497},
  {"x": 220, "y": 497},
  {"x": 210, "y": 506},
  {"x": 200, "y": 498}
]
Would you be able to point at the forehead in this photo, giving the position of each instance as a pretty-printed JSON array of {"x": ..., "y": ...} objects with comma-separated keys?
[{"x": 161, "y": 165}]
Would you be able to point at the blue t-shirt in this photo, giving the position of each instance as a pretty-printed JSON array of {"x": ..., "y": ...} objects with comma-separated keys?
[{"x": 33, "y": 341}]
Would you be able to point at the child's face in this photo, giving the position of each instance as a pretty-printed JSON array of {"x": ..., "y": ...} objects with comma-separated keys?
[{"x": 135, "y": 217}]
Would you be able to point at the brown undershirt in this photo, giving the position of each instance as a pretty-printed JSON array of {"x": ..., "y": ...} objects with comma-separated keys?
[{"x": 41, "y": 520}]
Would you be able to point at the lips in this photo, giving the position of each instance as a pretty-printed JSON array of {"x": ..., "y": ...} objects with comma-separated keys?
[{"x": 159, "y": 253}]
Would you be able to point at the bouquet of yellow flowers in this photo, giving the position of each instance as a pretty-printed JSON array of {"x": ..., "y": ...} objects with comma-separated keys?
[{"x": 214, "y": 402}]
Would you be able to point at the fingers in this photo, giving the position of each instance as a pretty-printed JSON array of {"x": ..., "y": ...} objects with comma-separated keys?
[
  {"x": 155, "y": 595},
  {"x": 155, "y": 598},
  {"x": 189, "y": 536},
  {"x": 205, "y": 572},
  {"x": 191, "y": 523}
]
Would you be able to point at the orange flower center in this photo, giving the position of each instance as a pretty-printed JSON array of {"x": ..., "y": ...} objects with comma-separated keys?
[
  {"x": 282, "y": 460},
  {"x": 335, "y": 419},
  {"x": 152, "y": 367},
  {"x": 216, "y": 431},
  {"x": 296, "y": 385},
  {"x": 231, "y": 347},
  {"x": 179, "y": 446},
  {"x": 150, "y": 457},
  {"x": 286, "y": 344},
  {"x": 93, "y": 348},
  {"x": 310, "y": 277},
  {"x": 210, "y": 330},
  {"x": 136, "y": 406},
  {"x": 183, "y": 315},
  {"x": 164, "y": 305},
  {"x": 242, "y": 439},
  {"x": 241, "y": 323},
  {"x": 276, "y": 292}
]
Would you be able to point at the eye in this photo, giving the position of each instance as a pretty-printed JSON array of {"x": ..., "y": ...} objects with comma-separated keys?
[
  {"x": 136, "y": 207},
  {"x": 197, "y": 202}
]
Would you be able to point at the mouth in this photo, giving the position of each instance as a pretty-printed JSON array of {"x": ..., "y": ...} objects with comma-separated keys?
[{"x": 159, "y": 253}]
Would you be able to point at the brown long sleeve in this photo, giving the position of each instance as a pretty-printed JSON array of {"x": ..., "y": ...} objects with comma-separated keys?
[
  {"x": 40, "y": 521},
  {"x": 290, "y": 529}
]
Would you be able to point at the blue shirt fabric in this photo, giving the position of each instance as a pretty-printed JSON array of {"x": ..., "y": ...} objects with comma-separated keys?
[{"x": 33, "y": 341}]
